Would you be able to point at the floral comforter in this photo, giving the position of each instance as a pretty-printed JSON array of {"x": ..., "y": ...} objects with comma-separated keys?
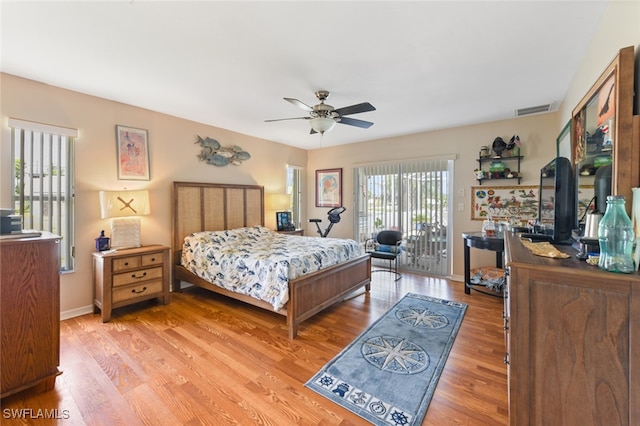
[{"x": 259, "y": 262}]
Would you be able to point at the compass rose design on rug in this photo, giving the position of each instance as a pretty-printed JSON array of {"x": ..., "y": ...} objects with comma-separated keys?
[
  {"x": 420, "y": 317},
  {"x": 388, "y": 374},
  {"x": 395, "y": 355}
]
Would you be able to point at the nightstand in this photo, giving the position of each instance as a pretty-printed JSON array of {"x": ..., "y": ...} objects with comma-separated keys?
[
  {"x": 294, "y": 232},
  {"x": 129, "y": 276}
]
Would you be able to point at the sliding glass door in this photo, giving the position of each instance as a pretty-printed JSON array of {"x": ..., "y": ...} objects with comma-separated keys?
[{"x": 410, "y": 197}]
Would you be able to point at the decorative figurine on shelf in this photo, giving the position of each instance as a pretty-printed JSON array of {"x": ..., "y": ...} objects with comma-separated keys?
[
  {"x": 498, "y": 146},
  {"x": 485, "y": 151},
  {"x": 479, "y": 173},
  {"x": 496, "y": 166},
  {"x": 514, "y": 146},
  {"x": 102, "y": 242}
]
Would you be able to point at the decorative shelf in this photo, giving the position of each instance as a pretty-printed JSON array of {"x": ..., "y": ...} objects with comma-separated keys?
[
  {"x": 505, "y": 178},
  {"x": 483, "y": 160}
]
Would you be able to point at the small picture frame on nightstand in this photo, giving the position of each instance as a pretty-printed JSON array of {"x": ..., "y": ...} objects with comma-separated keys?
[{"x": 283, "y": 221}]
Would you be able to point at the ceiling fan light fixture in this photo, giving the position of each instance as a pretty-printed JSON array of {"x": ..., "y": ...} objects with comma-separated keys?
[
  {"x": 323, "y": 117},
  {"x": 322, "y": 124}
]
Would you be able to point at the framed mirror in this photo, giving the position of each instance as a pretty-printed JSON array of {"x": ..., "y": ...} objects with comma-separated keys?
[
  {"x": 601, "y": 131},
  {"x": 563, "y": 142}
]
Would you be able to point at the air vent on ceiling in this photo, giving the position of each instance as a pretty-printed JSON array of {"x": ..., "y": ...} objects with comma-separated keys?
[{"x": 533, "y": 110}]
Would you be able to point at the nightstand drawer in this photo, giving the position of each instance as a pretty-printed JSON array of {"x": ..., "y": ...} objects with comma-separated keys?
[
  {"x": 125, "y": 263},
  {"x": 152, "y": 259},
  {"x": 137, "y": 276},
  {"x": 131, "y": 292}
]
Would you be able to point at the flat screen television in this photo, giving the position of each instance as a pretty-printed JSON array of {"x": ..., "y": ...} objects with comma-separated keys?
[{"x": 557, "y": 201}]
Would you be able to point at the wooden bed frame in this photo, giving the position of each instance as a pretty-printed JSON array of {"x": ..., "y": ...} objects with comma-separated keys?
[{"x": 213, "y": 207}]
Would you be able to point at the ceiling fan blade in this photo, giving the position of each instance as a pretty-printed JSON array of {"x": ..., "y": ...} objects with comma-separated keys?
[
  {"x": 356, "y": 109},
  {"x": 283, "y": 119},
  {"x": 355, "y": 122},
  {"x": 299, "y": 104},
  {"x": 312, "y": 132}
]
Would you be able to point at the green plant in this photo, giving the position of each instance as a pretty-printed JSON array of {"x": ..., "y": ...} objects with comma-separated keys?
[
  {"x": 420, "y": 218},
  {"x": 18, "y": 171},
  {"x": 377, "y": 223}
]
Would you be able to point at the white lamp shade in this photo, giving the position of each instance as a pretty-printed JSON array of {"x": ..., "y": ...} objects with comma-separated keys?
[
  {"x": 279, "y": 202},
  {"x": 322, "y": 124},
  {"x": 124, "y": 203}
]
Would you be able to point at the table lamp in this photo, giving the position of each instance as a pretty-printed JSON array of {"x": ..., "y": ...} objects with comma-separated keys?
[{"x": 124, "y": 207}]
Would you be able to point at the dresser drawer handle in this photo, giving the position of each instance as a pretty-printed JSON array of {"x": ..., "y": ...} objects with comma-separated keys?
[
  {"x": 141, "y": 276},
  {"x": 153, "y": 259},
  {"x": 141, "y": 291}
]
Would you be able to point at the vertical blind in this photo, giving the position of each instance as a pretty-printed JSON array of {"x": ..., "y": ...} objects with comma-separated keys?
[
  {"x": 411, "y": 197},
  {"x": 43, "y": 181}
]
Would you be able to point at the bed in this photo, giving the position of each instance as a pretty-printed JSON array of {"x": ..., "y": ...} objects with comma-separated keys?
[{"x": 198, "y": 207}]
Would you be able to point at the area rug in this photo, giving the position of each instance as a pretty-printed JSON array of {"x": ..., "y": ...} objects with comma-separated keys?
[{"x": 389, "y": 373}]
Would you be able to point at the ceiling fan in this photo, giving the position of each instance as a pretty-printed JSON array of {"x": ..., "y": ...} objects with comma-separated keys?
[{"x": 323, "y": 117}]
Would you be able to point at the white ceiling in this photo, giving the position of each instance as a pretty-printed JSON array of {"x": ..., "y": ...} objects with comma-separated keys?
[{"x": 424, "y": 65}]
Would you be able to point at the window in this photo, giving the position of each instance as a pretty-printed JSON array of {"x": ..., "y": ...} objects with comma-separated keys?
[
  {"x": 410, "y": 197},
  {"x": 294, "y": 188},
  {"x": 43, "y": 182}
]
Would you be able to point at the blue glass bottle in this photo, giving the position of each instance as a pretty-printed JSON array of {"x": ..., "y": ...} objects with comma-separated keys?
[
  {"x": 616, "y": 237},
  {"x": 102, "y": 242}
]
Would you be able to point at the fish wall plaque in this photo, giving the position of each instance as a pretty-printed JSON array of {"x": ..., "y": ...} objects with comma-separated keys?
[{"x": 214, "y": 153}]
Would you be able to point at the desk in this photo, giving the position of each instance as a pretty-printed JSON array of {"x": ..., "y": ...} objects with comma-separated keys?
[{"x": 479, "y": 241}]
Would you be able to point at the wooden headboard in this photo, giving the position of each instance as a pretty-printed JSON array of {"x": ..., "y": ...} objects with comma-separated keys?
[{"x": 201, "y": 206}]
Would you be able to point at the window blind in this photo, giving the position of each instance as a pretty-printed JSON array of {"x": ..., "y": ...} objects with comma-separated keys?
[
  {"x": 411, "y": 197},
  {"x": 43, "y": 182}
]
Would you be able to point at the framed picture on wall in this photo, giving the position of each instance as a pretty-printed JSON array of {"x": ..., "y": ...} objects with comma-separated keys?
[
  {"x": 505, "y": 203},
  {"x": 133, "y": 153},
  {"x": 329, "y": 188}
]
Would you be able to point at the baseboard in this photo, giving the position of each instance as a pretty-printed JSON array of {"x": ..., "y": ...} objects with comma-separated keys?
[
  {"x": 459, "y": 278},
  {"x": 72, "y": 313}
]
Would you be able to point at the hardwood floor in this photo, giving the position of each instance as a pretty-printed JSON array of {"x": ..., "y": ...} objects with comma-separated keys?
[{"x": 207, "y": 360}]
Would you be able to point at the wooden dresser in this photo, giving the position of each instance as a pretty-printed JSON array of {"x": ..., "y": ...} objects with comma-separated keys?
[
  {"x": 30, "y": 313},
  {"x": 129, "y": 276},
  {"x": 573, "y": 341}
]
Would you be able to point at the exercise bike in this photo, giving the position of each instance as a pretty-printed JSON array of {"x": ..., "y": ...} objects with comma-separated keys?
[{"x": 334, "y": 217}]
